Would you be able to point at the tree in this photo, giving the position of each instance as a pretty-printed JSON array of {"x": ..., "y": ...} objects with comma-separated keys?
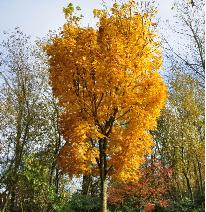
[
  {"x": 188, "y": 51},
  {"x": 18, "y": 106},
  {"x": 180, "y": 138},
  {"x": 153, "y": 187},
  {"x": 108, "y": 84},
  {"x": 29, "y": 127},
  {"x": 180, "y": 134}
]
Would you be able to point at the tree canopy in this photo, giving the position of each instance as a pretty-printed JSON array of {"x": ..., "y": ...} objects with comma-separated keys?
[{"x": 107, "y": 81}]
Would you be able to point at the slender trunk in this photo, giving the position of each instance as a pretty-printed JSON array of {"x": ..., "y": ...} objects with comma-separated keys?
[
  {"x": 103, "y": 195},
  {"x": 21, "y": 138},
  {"x": 102, "y": 163},
  {"x": 201, "y": 183},
  {"x": 189, "y": 186},
  {"x": 14, "y": 179},
  {"x": 103, "y": 174},
  {"x": 57, "y": 176},
  {"x": 200, "y": 176},
  {"x": 86, "y": 184},
  {"x": 13, "y": 195}
]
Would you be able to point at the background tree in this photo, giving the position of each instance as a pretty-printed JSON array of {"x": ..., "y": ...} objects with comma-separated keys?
[
  {"x": 181, "y": 127},
  {"x": 108, "y": 83},
  {"x": 153, "y": 187},
  {"x": 186, "y": 49},
  {"x": 29, "y": 128},
  {"x": 180, "y": 138}
]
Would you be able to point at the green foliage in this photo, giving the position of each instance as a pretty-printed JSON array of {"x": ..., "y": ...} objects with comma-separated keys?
[
  {"x": 68, "y": 10},
  {"x": 82, "y": 203},
  {"x": 129, "y": 205},
  {"x": 70, "y": 13},
  {"x": 78, "y": 8},
  {"x": 180, "y": 138},
  {"x": 36, "y": 175},
  {"x": 185, "y": 205}
]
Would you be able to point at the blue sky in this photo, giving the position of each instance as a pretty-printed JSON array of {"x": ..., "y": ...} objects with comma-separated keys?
[{"x": 37, "y": 17}]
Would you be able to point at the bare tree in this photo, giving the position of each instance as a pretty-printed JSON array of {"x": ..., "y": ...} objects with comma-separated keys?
[{"x": 187, "y": 51}]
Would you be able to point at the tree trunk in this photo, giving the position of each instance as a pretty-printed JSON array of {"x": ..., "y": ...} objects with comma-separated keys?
[
  {"x": 103, "y": 173},
  {"x": 103, "y": 195},
  {"x": 190, "y": 192},
  {"x": 200, "y": 176},
  {"x": 12, "y": 201},
  {"x": 86, "y": 184}
]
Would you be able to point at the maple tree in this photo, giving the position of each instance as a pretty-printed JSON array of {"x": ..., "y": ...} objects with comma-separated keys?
[
  {"x": 152, "y": 188},
  {"x": 108, "y": 84}
]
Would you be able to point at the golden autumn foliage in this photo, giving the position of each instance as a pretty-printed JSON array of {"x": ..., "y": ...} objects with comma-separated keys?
[{"x": 108, "y": 83}]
